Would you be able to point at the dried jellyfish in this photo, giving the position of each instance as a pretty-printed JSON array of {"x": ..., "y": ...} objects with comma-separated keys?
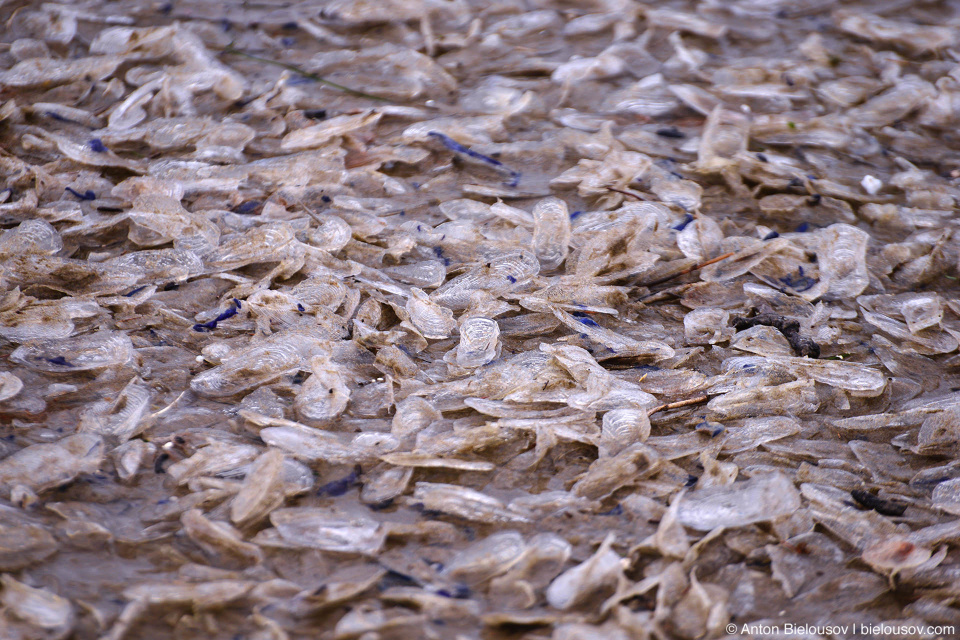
[
  {"x": 756, "y": 500},
  {"x": 479, "y": 342},
  {"x": 551, "y": 232}
]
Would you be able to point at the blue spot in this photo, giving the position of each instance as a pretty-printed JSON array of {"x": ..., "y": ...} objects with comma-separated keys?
[
  {"x": 229, "y": 313},
  {"x": 394, "y": 578},
  {"x": 86, "y": 195},
  {"x": 438, "y": 251},
  {"x": 771, "y": 235},
  {"x": 212, "y": 324},
  {"x": 402, "y": 212},
  {"x": 460, "y": 592},
  {"x": 683, "y": 225},
  {"x": 801, "y": 283},
  {"x": 60, "y": 361},
  {"x": 300, "y": 308},
  {"x": 803, "y": 228},
  {"x": 512, "y": 279},
  {"x": 325, "y": 198},
  {"x": 584, "y": 319},
  {"x": 96, "y": 144},
  {"x": 288, "y": 41},
  {"x": 453, "y": 145},
  {"x": 341, "y": 486},
  {"x": 670, "y": 132},
  {"x": 134, "y": 292},
  {"x": 691, "y": 480},
  {"x": 713, "y": 428},
  {"x": 616, "y": 511},
  {"x": 247, "y": 207},
  {"x": 575, "y": 214},
  {"x": 290, "y": 26}
]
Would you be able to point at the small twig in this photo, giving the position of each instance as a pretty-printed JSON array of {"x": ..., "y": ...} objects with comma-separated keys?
[
  {"x": 626, "y": 193},
  {"x": 675, "y": 292},
  {"x": 168, "y": 407},
  {"x": 309, "y": 211},
  {"x": 689, "y": 270},
  {"x": 678, "y": 404},
  {"x": 306, "y": 74}
]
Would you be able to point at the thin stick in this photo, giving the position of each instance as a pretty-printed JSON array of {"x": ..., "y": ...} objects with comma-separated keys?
[
  {"x": 306, "y": 74},
  {"x": 678, "y": 404},
  {"x": 690, "y": 270},
  {"x": 676, "y": 292},
  {"x": 626, "y": 193},
  {"x": 168, "y": 407}
]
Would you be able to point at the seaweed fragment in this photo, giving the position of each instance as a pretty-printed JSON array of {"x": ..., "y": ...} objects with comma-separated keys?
[
  {"x": 802, "y": 345},
  {"x": 881, "y": 506}
]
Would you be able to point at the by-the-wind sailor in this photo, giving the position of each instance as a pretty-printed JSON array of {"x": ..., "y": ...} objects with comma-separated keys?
[
  {"x": 551, "y": 232},
  {"x": 479, "y": 342},
  {"x": 81, "y": 353},
  {"x": 758, "y": 499}
]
